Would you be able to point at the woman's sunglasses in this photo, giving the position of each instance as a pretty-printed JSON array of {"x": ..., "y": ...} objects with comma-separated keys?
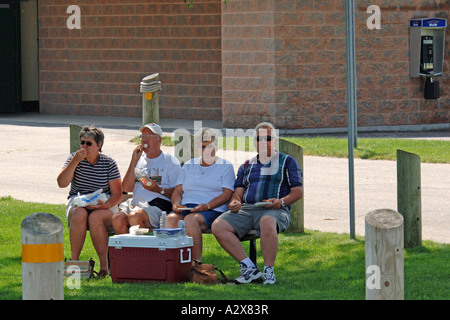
[
  {"x": 88, "y": 143},
  {"x": 267, "y": 138}
]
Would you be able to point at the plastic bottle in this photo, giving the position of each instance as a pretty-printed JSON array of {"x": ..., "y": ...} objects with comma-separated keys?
[
  {"x": 182, "y": 225},
  {"x": 162, "y": 220}
]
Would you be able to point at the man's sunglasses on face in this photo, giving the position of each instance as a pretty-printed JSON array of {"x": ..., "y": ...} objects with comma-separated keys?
[{"x": 266, "y": 138}]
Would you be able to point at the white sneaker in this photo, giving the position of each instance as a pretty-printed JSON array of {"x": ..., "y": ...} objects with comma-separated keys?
[
  {"x": 269, "y": 276},
  {"x": 248, "y": 274}
]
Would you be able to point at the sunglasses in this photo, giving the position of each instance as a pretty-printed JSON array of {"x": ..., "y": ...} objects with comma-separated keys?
[
  {"x": 267, "y": 138},
  {"x": 88, "y": 143},
  {"x": 147, "y": 136}
]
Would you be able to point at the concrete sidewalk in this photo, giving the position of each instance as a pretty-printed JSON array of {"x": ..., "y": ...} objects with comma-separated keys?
[{"x": 34, "y": 147}]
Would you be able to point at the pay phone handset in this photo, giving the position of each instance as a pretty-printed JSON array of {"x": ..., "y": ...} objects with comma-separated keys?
[{"x": 426, "y": 57}]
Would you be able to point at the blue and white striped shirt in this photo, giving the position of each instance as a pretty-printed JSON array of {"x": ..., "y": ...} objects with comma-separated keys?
[{"x": 88, "y": 178}]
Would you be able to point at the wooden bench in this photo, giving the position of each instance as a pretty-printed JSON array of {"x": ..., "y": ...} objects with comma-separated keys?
[
  {"x": 287, "y": 147},
  {"x": 251, "y": 236}
]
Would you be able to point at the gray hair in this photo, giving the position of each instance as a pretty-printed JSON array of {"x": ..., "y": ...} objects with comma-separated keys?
[
  {"x": 267, "y": 125},
  {"x": 94, "y": 133}
]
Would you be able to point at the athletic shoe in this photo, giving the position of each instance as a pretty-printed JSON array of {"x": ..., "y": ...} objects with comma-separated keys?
[
  {"x": 269, "y": 276},
  {"x": 248, "y": 274}
]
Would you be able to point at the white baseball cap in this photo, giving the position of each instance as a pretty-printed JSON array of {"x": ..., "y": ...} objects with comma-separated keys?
[{"x": 155, "y": 128}]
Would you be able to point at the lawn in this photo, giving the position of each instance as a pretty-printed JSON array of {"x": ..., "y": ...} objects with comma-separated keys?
[
  {"x": 432, "y": 151},
  {"x": 312, "y": 265}
]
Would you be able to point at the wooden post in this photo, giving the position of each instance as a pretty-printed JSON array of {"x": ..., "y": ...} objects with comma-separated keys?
[
  {"x": 74, "y": 137},
  {"x": 409, "y": 196},
  {"x": 384, "y": 255},
  {"x": 150, "y": 87},
  {"x": 42, "y": 257},
  {"x": 297, "y": 209}
]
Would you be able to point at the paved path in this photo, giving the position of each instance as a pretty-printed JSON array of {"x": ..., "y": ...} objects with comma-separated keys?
[{"x": 33, "y": 149}]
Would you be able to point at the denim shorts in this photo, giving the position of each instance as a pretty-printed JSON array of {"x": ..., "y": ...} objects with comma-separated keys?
[
  {"x": 209, "y": 215},
  {"x": 249, "y": 216}
]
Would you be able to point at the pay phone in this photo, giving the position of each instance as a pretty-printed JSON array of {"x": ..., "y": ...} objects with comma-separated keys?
[
  {"x": 426, "y": 55},
  {"x": 426, "y": 52}
]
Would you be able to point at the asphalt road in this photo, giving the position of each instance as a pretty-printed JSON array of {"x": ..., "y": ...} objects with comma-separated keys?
[{"x": 33, "y": 149}]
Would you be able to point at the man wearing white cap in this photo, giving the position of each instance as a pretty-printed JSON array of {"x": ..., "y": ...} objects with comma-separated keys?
[{"x": 151, "y": 176}]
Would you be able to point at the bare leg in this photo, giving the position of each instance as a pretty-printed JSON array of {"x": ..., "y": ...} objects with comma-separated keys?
[
  {"x": 98, "y": 221},
  {"x": 77, "y": 231},
  {"x": 226, "y": 236},
  {"x": 172, "y": 220},
  {"x": 269, "y": 240},
  {"x": 195, "y": 224},
  {"x": 120, "y": 223},
  {"x": 139, "y": 217}
]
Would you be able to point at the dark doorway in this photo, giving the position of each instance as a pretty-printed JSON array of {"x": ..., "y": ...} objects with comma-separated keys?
[{"x": 10, "y": 67}]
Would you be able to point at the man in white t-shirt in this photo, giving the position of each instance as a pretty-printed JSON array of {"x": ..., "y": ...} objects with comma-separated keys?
[{"x": 151, "y": 176}]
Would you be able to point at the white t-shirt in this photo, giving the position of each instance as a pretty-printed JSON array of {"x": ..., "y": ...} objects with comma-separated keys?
[
  {"x": 202, "y": 184},
  {"x": 165, "y": 169}
]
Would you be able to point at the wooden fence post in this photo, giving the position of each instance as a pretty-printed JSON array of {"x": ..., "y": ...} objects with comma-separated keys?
[
  {"x": 74, "y": 137},
  {"x": 409, "y": 196},
  {"x": 150, "y": 88},
  {"x": 384, "y": 255},
  {"x": 297, "y": 209},
  {"x": 42, "y": 257}
]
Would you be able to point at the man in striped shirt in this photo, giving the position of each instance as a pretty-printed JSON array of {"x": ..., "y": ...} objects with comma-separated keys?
[{"x": 265, "y": 188}]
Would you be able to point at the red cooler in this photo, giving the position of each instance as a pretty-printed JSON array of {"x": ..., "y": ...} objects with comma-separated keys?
[{"x": 149, "y": 258}]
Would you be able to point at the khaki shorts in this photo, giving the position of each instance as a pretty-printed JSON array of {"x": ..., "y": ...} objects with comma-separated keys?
[
  {"x": 249, "y": 216},
  {"x": 154, "y": 213}
]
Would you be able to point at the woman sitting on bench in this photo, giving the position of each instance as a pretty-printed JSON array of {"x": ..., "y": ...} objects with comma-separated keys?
[
  {"x": 204, "y": 187},
  {"x": 86, "y": 171}
]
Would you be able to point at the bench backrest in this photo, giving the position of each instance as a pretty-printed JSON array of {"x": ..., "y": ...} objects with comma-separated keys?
[{"x": 183, "y": 139}]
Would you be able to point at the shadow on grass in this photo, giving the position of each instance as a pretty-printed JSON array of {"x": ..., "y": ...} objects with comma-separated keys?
[{"x": 311, "y": 265}]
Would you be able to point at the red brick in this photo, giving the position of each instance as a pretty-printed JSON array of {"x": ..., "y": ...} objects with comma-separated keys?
[{"x": 248, "y": 61}]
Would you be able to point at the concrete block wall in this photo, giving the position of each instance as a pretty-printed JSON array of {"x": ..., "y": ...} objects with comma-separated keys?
[
  {"x": 96, "y": 70},
  {"x": 242, "y": 63},
  {"x": 285, "y": 61}
]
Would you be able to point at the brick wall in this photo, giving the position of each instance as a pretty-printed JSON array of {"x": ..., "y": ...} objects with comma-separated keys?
[
  {"x": 244, "y": 62},
  {"x": 284, "y": 61},
  {"x": 97, "y": 70}
]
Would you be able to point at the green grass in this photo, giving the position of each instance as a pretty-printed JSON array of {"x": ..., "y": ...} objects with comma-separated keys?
[
  {"x": 312, "y": 265},
  {"x": 432, "y": 151}
]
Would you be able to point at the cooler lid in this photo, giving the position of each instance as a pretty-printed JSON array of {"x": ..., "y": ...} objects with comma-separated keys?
[{"x": 144, "y": 241}]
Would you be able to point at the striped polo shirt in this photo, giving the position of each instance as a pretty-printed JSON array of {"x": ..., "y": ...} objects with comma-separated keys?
[
  {"x": 271, "y": 180},
  {"x": 89, "y": 178}
]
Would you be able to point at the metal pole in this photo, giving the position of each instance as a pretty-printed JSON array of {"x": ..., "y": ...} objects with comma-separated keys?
[{"x": 351, "y": 104}]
